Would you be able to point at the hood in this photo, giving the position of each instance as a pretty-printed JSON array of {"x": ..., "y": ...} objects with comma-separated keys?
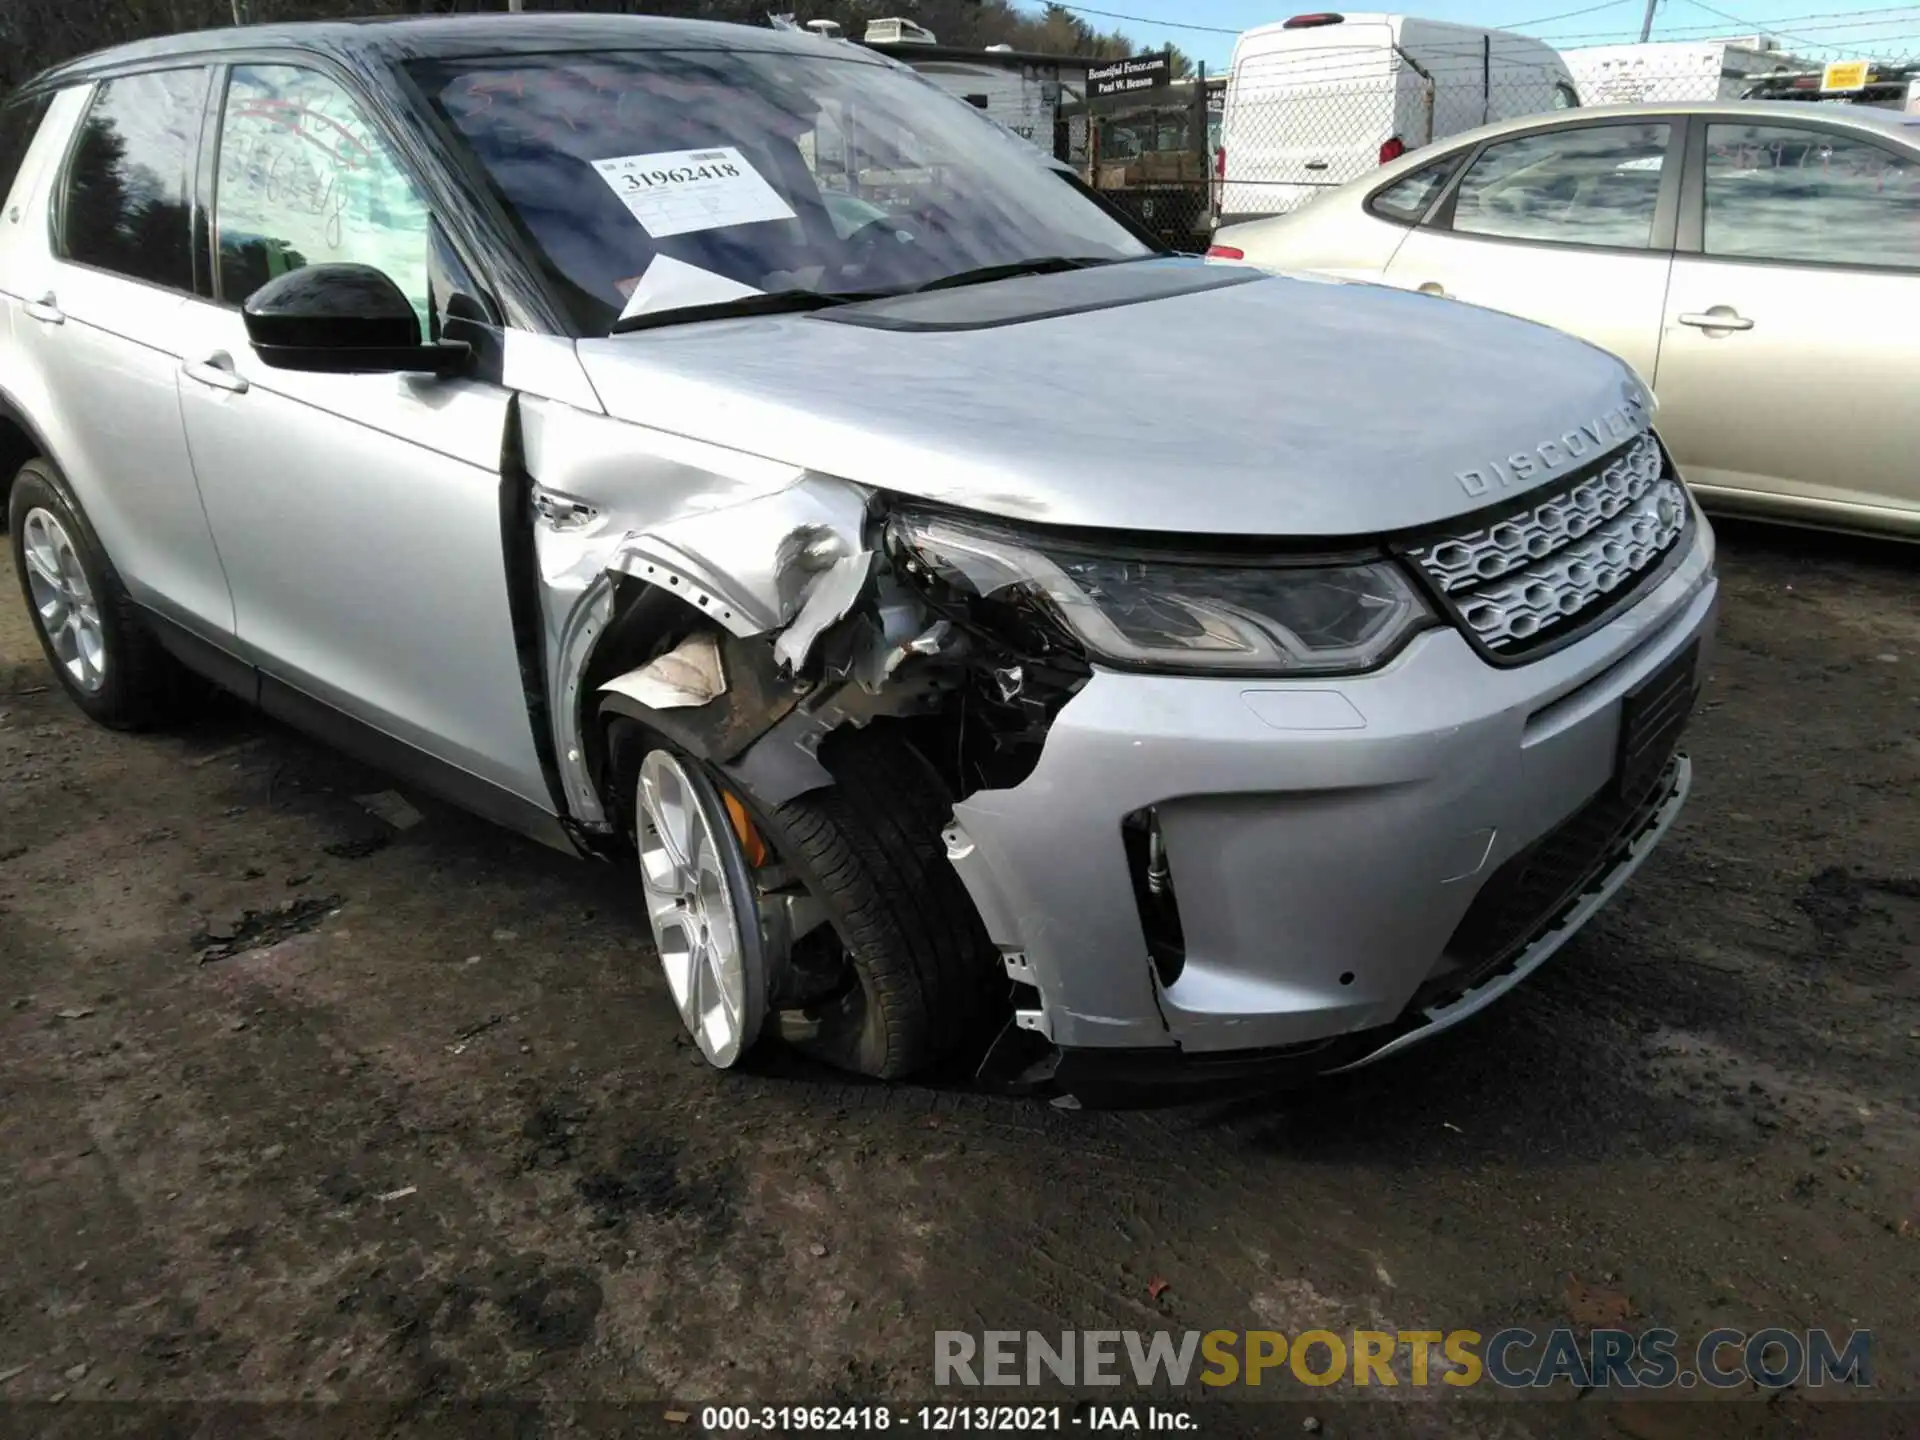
[{"x": 1162, "y": 396}]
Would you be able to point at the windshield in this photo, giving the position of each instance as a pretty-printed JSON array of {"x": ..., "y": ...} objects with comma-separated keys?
[{"x": 662, "y": 180}]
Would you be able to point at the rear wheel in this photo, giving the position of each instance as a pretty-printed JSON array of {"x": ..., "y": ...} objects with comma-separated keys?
[{"x": 101, "y": 652}]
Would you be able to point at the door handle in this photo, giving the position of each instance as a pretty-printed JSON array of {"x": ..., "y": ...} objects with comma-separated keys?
[
  {"x": 1720, "y": 317},
  {"x": 216, "y": 371},
  {"x": 46, "y": 310},
  {"x": 1434, "y": 287}
]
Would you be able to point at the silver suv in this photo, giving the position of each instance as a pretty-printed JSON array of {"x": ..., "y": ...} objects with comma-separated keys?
[{"x": 699, "y": 442}]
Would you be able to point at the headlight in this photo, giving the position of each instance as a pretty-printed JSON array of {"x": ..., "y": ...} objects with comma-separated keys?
[{"x": 1147, "y": 613}]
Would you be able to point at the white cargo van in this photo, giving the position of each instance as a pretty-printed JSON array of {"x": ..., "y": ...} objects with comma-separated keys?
[{"x": 1317, "y": 100}]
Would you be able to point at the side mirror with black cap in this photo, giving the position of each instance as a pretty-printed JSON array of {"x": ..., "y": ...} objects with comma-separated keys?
[{"x": 342, "y": 320}]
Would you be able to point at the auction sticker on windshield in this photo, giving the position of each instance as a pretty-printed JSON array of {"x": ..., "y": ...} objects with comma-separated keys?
[{"x": 676, "y": 192}]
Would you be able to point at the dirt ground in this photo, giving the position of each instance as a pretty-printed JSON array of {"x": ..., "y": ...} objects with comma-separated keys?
[{"x": 423, "y": 1128}]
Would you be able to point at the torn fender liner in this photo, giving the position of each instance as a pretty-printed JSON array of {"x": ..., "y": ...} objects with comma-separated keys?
[
  {"x": 785, "y": 762},
  {"x": 689, "y": 674},
  {"x": 753, "y": 700},
  {"x": 747, "y": 566}
]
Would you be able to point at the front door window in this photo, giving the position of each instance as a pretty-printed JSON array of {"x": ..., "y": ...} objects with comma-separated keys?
[
  {"x": 306, "y": 179},
  {"x": 1781, "y": 192}
]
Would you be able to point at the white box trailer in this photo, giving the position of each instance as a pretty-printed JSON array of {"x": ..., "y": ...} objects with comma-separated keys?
[
  {"x": 1023, "y": 91},
  {"x": 1023, "y": 97},
  {"x": 1318, "y": 100},
  {"x": 1673, "y": 71}
]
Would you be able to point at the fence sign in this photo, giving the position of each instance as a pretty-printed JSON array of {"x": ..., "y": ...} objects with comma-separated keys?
[
  {"x": 1844, "y": 75},
  {"x": 1124, "y": 77}
]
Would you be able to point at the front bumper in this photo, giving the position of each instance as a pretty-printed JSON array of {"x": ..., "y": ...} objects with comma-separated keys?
[{"x": 1326, "y": 839}]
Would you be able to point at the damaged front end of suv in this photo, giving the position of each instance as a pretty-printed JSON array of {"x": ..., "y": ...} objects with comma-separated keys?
[
  {"x": 1153, "y": 809},
  {"x": 779, "y": 694},
  {"x": 961, "y": 661}
]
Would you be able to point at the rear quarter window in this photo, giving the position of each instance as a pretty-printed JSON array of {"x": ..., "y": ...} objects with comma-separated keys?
[{"x": 1408, "y": 199}]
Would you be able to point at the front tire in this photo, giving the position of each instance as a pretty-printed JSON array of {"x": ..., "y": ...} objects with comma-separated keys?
[
  {"x": 920, "y": 977},
  {"x": 900, "y": 978},
  {"x": 105, "y": 658}
]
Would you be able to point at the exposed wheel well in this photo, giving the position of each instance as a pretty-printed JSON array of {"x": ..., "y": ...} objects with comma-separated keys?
[
  {"x": 646, "y": 623},
  {"x": 17, "y": 446}
]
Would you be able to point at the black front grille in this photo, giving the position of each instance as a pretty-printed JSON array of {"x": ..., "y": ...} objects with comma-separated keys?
[{"x": 1651, "y": 718}]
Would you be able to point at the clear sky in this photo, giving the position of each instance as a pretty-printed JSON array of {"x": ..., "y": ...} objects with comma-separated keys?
[{"x": 1820, "y": 29}]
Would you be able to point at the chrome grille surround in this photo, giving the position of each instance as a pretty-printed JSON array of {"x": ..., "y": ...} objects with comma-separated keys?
[{"x": 1537, "y": 569}]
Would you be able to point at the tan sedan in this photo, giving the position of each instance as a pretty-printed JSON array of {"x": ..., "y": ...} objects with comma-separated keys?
[{"x": 1757, "y": 262}]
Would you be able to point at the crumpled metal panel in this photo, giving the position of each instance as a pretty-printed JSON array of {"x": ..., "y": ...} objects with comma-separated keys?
[
  {"x": 690, "y": 674},
  {"x": 753, "y": 565},
  {"x": 739, "y": 537}
]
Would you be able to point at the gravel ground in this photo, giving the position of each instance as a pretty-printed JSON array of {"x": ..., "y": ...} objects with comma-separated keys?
[{"x": 298, "y": 1105}]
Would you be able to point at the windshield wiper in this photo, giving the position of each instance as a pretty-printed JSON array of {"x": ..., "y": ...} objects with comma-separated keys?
[
  {"x": 777, "y": 302},
  {"x": 1039, "y": 265},
  {"x": 789, "y": 302}
]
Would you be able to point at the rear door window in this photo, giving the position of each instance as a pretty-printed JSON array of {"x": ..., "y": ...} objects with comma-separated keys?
[
  {"x": 127, "y": 201},
  {"x": 1594, "y": 185},
  {"x": 1792, "y": 194}
]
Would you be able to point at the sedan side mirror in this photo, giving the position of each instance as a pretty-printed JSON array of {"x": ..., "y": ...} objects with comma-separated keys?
[{"x": 342, "y": 320}]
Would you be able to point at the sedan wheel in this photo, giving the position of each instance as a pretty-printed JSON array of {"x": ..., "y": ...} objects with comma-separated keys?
[{"x": 701, "y": 904}]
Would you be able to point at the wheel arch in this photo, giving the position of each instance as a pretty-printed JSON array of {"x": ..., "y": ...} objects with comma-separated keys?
[{"x": 20, "y": 441}]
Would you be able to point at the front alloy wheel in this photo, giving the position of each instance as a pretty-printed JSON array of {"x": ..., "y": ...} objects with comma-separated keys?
[{"x": 701, "y": 904}]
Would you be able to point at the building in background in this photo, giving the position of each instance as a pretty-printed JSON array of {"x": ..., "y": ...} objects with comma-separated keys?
[
  {"x": 1027, "y": 93},
  {"x": 1675, "y": 71},
  {"x": 1134, "y": 132}
]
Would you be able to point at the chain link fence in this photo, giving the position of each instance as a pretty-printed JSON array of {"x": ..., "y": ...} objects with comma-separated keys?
[{"x": 1177, "y": 214}]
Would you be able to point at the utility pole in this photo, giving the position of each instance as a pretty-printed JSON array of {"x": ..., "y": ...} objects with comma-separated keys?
[{"x": 1646, "y": 25}]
